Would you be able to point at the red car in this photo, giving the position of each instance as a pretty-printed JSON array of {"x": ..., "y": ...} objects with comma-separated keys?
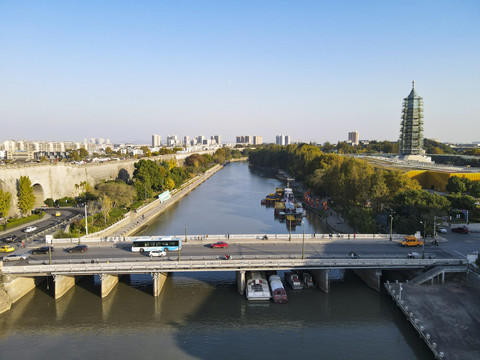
[
  {"x": 220, "y": 244},
  {"x": 461, "y": 230}
]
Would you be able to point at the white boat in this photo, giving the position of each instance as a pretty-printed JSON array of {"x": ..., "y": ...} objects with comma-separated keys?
[
  {"x": 257, "y": 287},
  {"x": 293, "y": 280},
  {"x": 279, "y": 295}
]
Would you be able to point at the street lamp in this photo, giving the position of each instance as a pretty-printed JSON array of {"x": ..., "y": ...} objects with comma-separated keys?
[
  {"x": 424, "y": 233},
  {"x": 303, "y": 242},
  {"x": 86, "y": 219},
  {"x": 391, "y": 223}
]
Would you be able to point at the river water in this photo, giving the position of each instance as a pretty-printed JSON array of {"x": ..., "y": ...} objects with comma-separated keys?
[{"x": 201, "y": 315}]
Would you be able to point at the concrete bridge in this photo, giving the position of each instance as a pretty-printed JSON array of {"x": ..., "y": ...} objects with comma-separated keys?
[{"x": 20, "y": 279}]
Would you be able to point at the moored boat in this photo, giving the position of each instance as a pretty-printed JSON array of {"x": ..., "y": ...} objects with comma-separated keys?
[
  {"x": 279, "y": 295},
  {"x": 293, "y": 280},
  {"x": 257, "y": 287},
  {"x": 306, "y": 279}
]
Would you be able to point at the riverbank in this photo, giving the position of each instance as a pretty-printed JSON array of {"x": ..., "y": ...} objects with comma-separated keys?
[{"x": 136, "y": 220}]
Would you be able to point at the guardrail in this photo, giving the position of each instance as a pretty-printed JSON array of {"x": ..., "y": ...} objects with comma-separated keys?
[
  {"x": 231, "y": 238},
  {"x": 222, "y": 265}
]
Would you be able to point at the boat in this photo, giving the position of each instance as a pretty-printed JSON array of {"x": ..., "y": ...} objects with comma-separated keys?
[
  {"x": 307, "y": 279},
  {"x": 293, "y": 280},
  {"x": 279, "y": 295},
  {"x": 257, "y": 287}
]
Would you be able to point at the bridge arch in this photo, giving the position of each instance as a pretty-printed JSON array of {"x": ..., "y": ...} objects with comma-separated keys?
[{"x": 39, "y": 194}]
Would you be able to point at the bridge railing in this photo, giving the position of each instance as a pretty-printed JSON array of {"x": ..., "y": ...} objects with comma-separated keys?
[
  {"x": 215, "y": 265},
  {"x": 236, "y": 237}
]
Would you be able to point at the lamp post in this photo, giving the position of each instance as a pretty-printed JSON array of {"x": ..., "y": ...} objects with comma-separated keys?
[
  {"x": 434, "y": 227},
  {"x": 290, "y": 230},
  {"x": 424, "y": 233},
  {"x": 391, "y": 223},
  {"x": 303, "y": 241},
  {"x": 185, "y": 234},
  {"x": 86, "y": 219}
]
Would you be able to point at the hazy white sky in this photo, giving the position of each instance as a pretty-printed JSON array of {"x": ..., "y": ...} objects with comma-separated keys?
[{"x": 314, "y": 70}]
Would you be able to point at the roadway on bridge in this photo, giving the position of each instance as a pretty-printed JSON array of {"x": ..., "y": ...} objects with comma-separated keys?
[{"x": 239, "y": 250}]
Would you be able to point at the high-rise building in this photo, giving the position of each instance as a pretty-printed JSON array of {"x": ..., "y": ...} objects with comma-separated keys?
[
  {"x": 257, "y": 140},
  {"x": 282, "y": 140},
  {"x": 411, "y": 128},
  {"x": 156, "y": 140},
  {"x": 353, "y": 137},
  {"x": 216, "y": 139},
  {"x": 172, "y": 140}
]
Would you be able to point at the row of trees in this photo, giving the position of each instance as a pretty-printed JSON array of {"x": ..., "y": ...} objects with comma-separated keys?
[
  {"x": 359, "y": 190},
  {"x": 463, "y": 185},
  {"x": 25, "y": 195}
]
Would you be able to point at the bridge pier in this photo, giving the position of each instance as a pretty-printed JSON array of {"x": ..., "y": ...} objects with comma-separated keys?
[
  {"x": 63, "y": 283},
  {"x": 158, "y": 282},
  {"x": 14, "y": 288},
  {"x": 241, "y": 281},
  {"x": 108, "y": 283},
  {"x": 322, "y": 278},
  {"x": 371, "y": 277}
]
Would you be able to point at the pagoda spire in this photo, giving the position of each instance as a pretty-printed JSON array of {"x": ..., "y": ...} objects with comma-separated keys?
[{"x": 413, "y": 85}]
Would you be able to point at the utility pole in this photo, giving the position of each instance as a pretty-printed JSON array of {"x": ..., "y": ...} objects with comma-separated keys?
[{"x": 391, "y": 224}]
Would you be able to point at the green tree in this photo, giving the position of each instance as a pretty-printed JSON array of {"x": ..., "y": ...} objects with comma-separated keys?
[
  {"x": 106, "y": 207},
  {"x": 456, "y": 185},
  {"x": 5, "y": 203},
  {"x": 169, "y": 183},
  {"x": 146, "y": 151},
  {"x": 121, "y": 194},
  {"x": 26, "y": 198}
]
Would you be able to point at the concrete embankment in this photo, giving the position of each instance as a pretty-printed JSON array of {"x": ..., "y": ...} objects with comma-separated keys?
[{"x": 447, "y": 317}]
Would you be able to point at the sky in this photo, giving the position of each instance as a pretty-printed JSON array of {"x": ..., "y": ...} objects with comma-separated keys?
[{"x": 314, "y": 70}]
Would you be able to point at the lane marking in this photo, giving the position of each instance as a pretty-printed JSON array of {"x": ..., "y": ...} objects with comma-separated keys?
[{"x": 459, "y": 253}]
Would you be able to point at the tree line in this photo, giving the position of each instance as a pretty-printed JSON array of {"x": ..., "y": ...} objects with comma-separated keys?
[{"x": 365, "y": 195}]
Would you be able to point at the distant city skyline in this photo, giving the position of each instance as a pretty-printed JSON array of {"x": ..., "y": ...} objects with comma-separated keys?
[{"x": 313, "y": 70}]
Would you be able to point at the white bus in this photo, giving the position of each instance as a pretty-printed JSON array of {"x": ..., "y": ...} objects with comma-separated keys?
[{"x": 149, "y": 243}]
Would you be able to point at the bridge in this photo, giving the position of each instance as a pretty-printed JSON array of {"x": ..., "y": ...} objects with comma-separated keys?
[{"x": 111, "y": 258}]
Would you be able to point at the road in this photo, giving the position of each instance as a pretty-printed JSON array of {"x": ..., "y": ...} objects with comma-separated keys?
[
  {"x": 260, "y": 250},
  {"x": 46, "y": 222}
]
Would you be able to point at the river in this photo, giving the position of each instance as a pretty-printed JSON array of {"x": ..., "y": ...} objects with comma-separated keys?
[{"x": 201, "y": 315}]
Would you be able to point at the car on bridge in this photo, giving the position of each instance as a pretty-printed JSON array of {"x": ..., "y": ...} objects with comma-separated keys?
[
  {"x": 411, "y": 241},
  {"x": 157, "y": 253},
  {"x": 79, "y": 248},
  {"x": 6, "y": 248},
  {"x": 219, "y": 244},
  {"x": 461, "y": 230},
  {"x": 43, "y": 250},
  {"x": 14, "y": 257}
]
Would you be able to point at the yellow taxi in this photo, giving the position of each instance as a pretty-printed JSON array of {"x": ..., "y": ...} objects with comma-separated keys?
[
  {"x": 58, "y": 213},
  {"x": 6, "y": 248}
]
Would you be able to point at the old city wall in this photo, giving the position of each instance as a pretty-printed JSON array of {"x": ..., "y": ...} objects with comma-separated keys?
[{"x": 57, "y": 180}]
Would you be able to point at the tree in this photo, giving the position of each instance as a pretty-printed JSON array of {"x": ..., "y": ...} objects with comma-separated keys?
[
  {"x": 5, "y": 203},
  {"x": 106, "y": 207},
  {"x": 146, "y": 151},
  {"x": 456, "y": 185},
  {"x": 26, "y": 198},
  {"x": 120, "y": 193},
  {"x": 169, "y": 183}
]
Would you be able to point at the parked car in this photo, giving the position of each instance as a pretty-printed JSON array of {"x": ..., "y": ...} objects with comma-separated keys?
[
  {"x": 14, "y": 257},
  {"x": 10, "y": 239},
  {"x": 78, "y": 248},
  {"x": 461, "y": 230},
  {"x": 220, "y": 244},
  {"x": 42, "y": 250},
  {"x": 6, "y": 248},
  {"x": 30, "y": 229},
  {"x": 442, "y": 230},
  {"x": 157, "y": 253}
]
